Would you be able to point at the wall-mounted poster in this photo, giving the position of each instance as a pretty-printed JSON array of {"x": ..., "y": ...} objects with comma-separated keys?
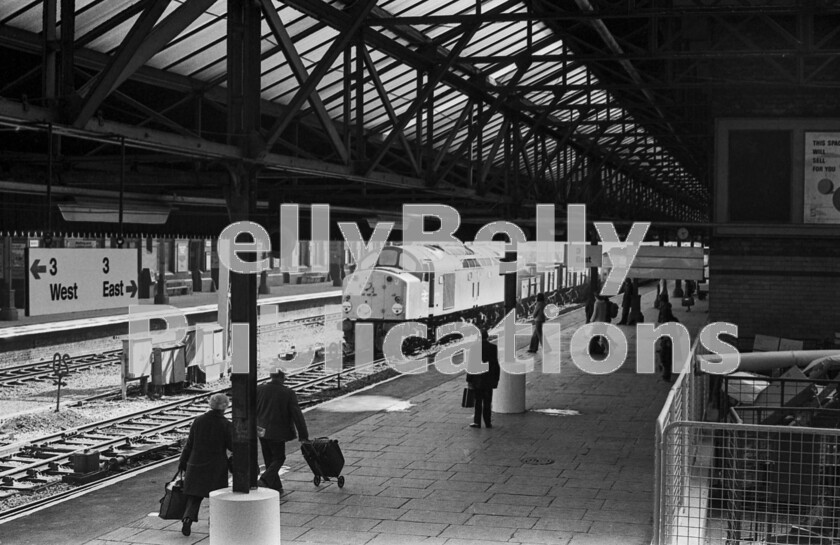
[
  {"x": 822, "y": 177},
  {"x": 183, "y": 256}
]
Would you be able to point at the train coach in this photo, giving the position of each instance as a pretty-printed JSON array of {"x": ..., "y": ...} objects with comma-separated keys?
[{"x": 435, "y": 284}]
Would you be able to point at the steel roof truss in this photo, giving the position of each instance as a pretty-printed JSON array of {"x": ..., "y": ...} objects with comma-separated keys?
[
  {"x": 389, "y": 108},
  {"x": 287, "y": 46},
  {"x": 107, "y": 26},
  {"x": 447, "y": 145},
  {"x": 117, "y": 68},
  {"x": 737, "y": 34},
  {"x": 483, "y": 119},
  {"x": 494, "y": 151},
  {"x": 358, "y": 14},
  {"x": 141, "y": 44},
  {"x": 424, "y": 94}
]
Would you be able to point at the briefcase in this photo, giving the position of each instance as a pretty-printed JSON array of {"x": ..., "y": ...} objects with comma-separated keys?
[
  {"x": 174, "y": 502},
  {"x": 468, "y": 398}
]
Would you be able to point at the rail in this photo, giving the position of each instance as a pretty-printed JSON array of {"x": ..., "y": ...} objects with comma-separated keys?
[
  {"x": 41, "y": 462},
  {"x": 43, "y": 370}
]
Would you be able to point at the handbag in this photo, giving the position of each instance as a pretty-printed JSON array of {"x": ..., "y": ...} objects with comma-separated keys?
[
  {"x": 468, "y": 398},
  {"x": 688, "y": 301},
  {"x": 174, "y": 501}
]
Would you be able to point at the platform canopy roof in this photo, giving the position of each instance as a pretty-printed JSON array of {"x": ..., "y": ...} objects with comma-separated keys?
[{"x": 491, "y": 106}]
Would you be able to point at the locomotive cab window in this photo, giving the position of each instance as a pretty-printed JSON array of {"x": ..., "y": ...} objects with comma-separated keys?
[{"x": 390, "y": 257}]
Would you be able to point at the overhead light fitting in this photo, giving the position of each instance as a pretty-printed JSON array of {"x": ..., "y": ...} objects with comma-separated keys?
[{"x": 107, "y": 211}]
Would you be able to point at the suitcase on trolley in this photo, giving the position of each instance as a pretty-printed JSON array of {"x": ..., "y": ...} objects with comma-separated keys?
[{"x": 324, "y": 458}]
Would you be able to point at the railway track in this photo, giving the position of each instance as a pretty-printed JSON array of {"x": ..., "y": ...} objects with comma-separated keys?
[
  {"x": 44, "y": 370},
  {"x": 127, "y": 443}
]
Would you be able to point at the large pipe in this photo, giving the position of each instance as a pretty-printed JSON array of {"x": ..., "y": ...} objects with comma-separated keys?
[{"x": 766, "y": 361}]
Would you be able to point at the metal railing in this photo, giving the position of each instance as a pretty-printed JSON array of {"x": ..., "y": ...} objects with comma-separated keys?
[
  {"x": 685, "y": 402},
  {"x": 749, "y": 484},
  {"x": 741, "y": 482}
]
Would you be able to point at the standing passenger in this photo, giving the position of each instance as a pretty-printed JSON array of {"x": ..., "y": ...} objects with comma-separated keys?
[
  {"x": 627, "y": 301},
  {"x": 483, "y": 384},
  {"x": 204, "y": 458},
  {"x": 539, "y": 319},
  {"x": 278, "y": 415},
  {"x": 666, "y": 352},
  {"x": 600, "y": 313}
]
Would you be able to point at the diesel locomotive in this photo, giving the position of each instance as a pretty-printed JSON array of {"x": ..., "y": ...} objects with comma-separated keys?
[{"x": 439, "y": 283}]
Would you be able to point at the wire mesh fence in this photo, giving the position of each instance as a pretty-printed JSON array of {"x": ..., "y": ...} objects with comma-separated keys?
[{"x": 748, "y": 484}]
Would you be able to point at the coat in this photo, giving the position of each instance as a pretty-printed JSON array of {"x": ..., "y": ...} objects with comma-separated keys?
[
  {"x": 490, "y": 378},
  {"x": 629, "y": 292},
  {"x": 666, "y": 313},
  {"x": 204, "y": 457},
  {"x": 539, "y": 312},
  {"x": 665, "y": 344},
  {"x": 279, "y": 414},
  {"x": 601, "y": 311}
]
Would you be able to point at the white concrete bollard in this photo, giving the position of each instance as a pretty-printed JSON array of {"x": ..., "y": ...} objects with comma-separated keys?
[
  {"x": 509, "y": 397},
  {"x": 252, "y": 518}
]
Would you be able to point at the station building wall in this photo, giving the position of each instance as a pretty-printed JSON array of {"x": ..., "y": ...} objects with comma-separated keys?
[{"x": 774, "y": 266}]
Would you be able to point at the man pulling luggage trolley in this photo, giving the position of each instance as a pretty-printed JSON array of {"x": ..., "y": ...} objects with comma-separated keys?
[{"x": 278, "y": 417}]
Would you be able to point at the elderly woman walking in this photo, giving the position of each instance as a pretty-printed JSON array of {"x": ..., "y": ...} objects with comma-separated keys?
[{"x": 204, "y": 458}]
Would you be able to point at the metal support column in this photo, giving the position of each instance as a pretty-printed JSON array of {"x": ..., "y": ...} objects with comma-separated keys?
[
  {"x": 8, "y": 312},
  {"x": 243, "y": 66},
  {"x": 50, "y": 61}
]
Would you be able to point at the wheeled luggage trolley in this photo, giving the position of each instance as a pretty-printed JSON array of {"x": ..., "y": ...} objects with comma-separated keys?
[{"x": 324, "y": 458}]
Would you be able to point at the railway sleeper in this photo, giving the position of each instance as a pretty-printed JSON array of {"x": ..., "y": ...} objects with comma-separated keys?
[
  {"x": 82, "y": 442},
  {"x": 25, "y": 486},
  {"x": 132, "y": 427},
  {"x": 58, "y": 448}
]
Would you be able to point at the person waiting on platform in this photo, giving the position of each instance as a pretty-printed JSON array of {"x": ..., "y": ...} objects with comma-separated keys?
[
  {"x": 627, "y": 303},
  {"x": 204, "y": 458},
  {"x": 278, "y": 416},
  {"x": 538, "y": 317},
  {"x": 602, "y": 311},
  {"x": 483, "y": 384},
  {"x": 666, "y": 352}
]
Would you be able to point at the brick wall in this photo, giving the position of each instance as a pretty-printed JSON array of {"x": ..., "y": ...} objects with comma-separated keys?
[{"x": 784, "y": 287}]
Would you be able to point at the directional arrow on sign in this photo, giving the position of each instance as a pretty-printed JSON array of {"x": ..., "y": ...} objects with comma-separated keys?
[
  {"x": 35, "y": 269},
  {"x": 132, "y": 289}
]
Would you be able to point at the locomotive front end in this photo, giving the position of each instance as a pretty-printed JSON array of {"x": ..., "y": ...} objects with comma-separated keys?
[
  {"x": 383, "y": 294},
  {"x": 379, "y": 295}
]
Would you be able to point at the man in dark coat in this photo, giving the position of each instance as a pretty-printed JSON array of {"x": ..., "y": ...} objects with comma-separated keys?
[
  {"x": 278, "y": 415},
  {"x": 666, "y": 351},
  {"x": 627, "y": 302},
  {"x": 483, "y": 384},
  {"x": 204, "y": 458}
]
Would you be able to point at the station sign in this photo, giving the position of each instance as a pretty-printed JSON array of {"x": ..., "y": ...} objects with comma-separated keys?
[
  {"x": 583, "y": 255},
  {"x": 77, "y": 279},
  {"x": 666, "y": 262}
]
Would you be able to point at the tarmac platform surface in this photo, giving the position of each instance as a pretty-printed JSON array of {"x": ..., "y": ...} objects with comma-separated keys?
[{"x": 416, "y": 473}]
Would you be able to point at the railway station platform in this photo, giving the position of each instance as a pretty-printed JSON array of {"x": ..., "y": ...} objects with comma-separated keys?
[
  {"x": 194, "y": 303},
  {"x": 576, "y": 469}
]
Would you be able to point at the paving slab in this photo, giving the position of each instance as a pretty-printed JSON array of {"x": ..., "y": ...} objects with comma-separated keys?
[{"x": 422, "y": 476}]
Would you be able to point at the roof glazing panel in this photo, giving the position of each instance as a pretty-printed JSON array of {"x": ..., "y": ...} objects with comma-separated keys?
[{"x": 199, "y": 52}]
